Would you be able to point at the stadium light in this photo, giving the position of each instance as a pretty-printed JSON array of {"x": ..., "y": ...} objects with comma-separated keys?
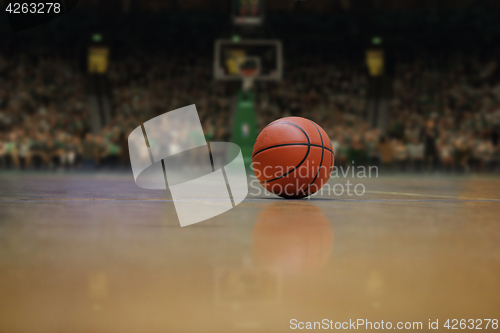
[
  {"x": 96, "y": 38},
  {"x": 377, "y": 40}
]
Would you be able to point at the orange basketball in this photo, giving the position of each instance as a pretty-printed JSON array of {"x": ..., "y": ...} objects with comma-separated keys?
[{"x": 293, "y": 157}]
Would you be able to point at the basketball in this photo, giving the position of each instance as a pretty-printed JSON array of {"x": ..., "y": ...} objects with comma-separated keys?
[{"x": 293, "y": 157}]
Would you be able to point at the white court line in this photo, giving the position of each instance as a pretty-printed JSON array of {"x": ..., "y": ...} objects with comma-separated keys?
[{"x": 430, "y": 195}]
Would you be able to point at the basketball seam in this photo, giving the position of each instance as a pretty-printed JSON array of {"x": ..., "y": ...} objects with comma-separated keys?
[
  {"x": 305, "y": 157},
  {"x": 333, "y": 155},
  {"x": 331, "y": 161},
  {"x": 322, "y": 155},
  {"x": 291, "y": 144}
]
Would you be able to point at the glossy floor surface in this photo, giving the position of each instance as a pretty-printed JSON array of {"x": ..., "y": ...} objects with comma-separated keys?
[{"x": 95, "y": 253}]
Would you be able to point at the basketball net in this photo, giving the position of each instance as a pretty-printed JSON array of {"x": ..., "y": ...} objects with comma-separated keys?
[{"x": 248, "y": 76}]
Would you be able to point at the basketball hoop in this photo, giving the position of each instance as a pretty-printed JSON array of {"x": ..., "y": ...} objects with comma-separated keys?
[
  {"x": 249, "y": 69},
  {"x": 248, "y": 76}
]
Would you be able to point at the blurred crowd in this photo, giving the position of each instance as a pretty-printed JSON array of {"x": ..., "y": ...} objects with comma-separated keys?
[
  {"x": 145, "y": 85},
  {"x": 443, "y": 116},
  {"x": 42, "y": 110}
]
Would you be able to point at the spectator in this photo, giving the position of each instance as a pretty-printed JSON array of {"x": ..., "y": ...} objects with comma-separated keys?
[
  {"x": 401, "y": 154},
  {"x": 429, "y": 136},
  {"x": 25, "y": 152},
  {"x": 446, "y": 155},
  {"x": 11, "y": 150},
  {"x": 89, "y": 153},
  {"x": 356, "y": 152},
  {"x": 386, "y": 151},
  {"x": 3, "y": 151}
]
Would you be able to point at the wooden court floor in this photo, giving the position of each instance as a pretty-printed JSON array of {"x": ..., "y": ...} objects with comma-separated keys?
[{"x": 95, "y": 253}]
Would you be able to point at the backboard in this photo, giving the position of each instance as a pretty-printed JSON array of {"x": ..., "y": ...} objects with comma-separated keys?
[{"x": 230, "y": 55}]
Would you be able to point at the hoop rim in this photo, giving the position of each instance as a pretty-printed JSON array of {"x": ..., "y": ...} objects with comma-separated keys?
[{"x": 248, "y": 73}]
